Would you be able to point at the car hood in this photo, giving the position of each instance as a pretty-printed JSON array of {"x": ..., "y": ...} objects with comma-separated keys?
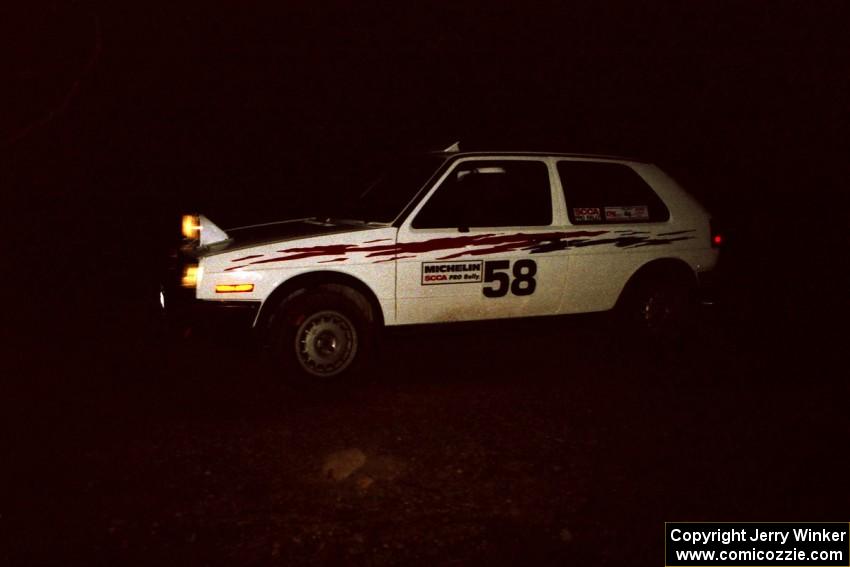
[
  {"x": 255, "y": 235},
  {"x": 357, "y": 245}
]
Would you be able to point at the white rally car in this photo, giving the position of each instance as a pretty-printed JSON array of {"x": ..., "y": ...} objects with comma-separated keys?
[{"x": 457, "y": 236}]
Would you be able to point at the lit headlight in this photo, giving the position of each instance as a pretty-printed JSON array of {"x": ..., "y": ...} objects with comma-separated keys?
[{"x": 190, "y": 275}]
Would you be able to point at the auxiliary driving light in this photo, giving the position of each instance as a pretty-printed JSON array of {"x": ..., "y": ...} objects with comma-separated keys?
[{"x": 191, "y": 227}]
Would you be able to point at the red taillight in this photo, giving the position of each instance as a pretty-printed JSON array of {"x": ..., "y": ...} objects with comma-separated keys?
[{"x": 717, "y": 239}]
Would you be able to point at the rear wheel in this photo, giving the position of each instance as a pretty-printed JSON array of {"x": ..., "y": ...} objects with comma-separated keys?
[
  {"x": 321, "y": 334},
  {"x": 658, "y": 308}
]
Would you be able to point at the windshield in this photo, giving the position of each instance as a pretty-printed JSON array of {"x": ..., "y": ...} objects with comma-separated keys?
[{"x": 386, "y": 196}]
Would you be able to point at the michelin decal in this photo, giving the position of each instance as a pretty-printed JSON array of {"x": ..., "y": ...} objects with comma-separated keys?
[{"x": 436, "y": 273}]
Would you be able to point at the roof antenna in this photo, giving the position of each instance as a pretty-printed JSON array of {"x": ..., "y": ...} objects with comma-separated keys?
[{"x": 454, "y": 148}]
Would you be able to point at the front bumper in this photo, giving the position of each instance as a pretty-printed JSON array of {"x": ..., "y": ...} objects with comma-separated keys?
[{"x": 183, "y": 311}]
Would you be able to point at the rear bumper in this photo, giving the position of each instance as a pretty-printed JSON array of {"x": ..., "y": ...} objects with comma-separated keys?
[{"x": 710, "y": 287}]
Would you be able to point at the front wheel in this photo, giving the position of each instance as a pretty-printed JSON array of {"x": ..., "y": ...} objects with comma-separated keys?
[
  {"x": 322, "y": 334},
  {"x": 326, "y": 343}
]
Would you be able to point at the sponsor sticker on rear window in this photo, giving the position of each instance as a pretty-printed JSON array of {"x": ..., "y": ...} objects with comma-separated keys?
[
  {"x": 639, "y": 212},
  {"x": 587, "y": 214}
]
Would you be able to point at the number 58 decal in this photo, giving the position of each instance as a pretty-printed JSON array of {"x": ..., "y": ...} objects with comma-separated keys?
[{"x": 523, "y": 277}]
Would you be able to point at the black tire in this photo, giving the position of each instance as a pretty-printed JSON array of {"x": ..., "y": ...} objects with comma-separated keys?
[
  {"x": 658, "y": 309},
  {"x": 322, "y": 334}
]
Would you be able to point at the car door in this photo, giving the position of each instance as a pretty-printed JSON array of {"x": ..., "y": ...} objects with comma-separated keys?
[{"x": 472, "y": 248}]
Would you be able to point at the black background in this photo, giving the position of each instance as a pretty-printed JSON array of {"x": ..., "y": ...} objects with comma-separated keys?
[{"x": 118, "y": 118}]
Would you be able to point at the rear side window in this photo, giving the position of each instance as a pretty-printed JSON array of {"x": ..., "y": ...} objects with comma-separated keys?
[
  {"x": 608, "y": 193},
  {"x": 490, "y": 193}
]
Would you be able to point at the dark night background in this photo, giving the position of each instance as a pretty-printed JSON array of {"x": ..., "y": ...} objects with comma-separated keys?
[{"x": 116, "y": 119}]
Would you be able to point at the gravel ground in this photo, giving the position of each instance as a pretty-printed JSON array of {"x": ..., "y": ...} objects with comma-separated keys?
[{"x": 539, "y": 442}]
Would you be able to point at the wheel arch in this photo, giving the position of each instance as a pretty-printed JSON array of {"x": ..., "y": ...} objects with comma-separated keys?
[
  {"x": 669, "y": 269},
  {"x": 313, "y": 280}
]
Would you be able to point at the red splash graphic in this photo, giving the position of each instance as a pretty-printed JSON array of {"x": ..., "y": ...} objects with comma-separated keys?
[
  {"x": 247, "y": 257},
  {"x": 332, "y": 260},
  {"x": 509, "y": 247},
  {"x": 490, "y": 243},
  {"x": 393, "y": 258}
]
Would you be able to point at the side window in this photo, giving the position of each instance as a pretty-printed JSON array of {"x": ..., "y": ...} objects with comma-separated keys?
[
  {"x": 490, "y": 193},
  {"x": 608, "y": 193}
]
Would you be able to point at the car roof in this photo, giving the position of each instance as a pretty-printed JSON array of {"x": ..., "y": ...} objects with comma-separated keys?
[{"x": 482, "y": 153}]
